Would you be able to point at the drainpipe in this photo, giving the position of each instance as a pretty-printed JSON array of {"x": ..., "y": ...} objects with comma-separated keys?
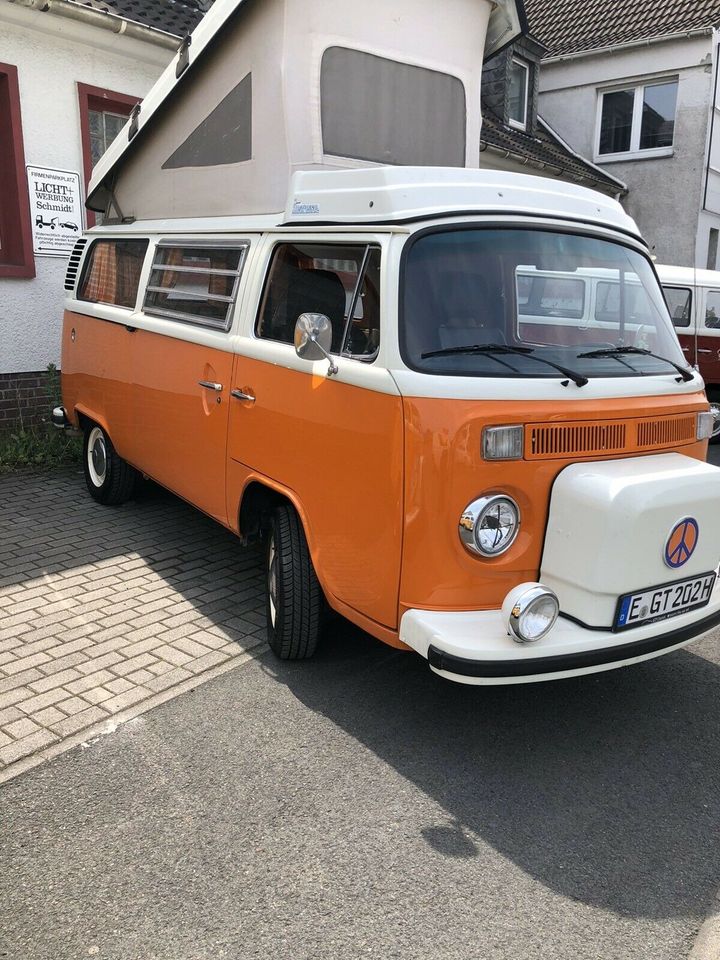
[{"x": 105, "y": 21}]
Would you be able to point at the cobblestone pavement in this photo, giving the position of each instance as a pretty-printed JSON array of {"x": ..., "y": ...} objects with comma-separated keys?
[{"x": 103, "y": 609}]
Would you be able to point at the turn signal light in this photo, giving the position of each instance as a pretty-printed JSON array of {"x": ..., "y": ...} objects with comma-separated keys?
[{"x": 503, "y": 443}]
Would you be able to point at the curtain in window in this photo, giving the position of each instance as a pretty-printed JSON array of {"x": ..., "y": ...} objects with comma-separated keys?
[{"x": 101, "y": 282}]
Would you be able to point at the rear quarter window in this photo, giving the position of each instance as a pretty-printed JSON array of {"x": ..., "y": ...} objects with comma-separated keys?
[{"x": 111, "y": 273}]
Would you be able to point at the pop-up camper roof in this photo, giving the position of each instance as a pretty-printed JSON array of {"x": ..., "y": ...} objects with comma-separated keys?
[{"x": 266, "y": 88}]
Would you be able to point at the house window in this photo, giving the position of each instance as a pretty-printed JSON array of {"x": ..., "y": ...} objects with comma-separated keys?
[
  {"x": 103, "y": 114},
  {"x": 637, "y": 121},
  {"x": 104, "y": 127},
  {"x": 16, "y": 256},
  {"x": 518, "y": 84}
]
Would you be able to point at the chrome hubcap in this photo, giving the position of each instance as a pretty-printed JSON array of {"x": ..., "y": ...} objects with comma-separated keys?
[
  {"x": 272, "y": 580},
  {"x": 97, "y": 457}
]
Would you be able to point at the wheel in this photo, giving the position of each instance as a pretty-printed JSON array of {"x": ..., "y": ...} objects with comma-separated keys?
[
  {"x": 109, "y": 479},
  {"x": 294, "y": 598}
]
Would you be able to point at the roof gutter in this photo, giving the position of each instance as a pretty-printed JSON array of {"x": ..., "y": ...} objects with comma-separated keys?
[
  {"x": 556, "y": 169},
  {"x": 617, "y": 47},
  {"x": 105, "y": 21},
  {"x": 623, "y": 187}
]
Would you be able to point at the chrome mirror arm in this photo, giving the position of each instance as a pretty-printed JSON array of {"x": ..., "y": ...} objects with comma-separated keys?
[{"x": 333, "y": 367}]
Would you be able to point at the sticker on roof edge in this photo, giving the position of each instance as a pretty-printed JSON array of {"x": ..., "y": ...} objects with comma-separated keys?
[{"x": 305, "y": 208}]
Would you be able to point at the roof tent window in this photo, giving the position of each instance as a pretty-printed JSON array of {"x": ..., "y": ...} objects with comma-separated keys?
[
  {"x": 195, "y": 283},
  {"x": 388, "y": 112},
  {"x": 112, "y": 272},
  {"x": 224, "y": 136}
]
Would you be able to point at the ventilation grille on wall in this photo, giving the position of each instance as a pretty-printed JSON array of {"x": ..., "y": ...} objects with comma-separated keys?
[
  {"x": 550, "y": 441},
  {"x": 74, "y": 263}
]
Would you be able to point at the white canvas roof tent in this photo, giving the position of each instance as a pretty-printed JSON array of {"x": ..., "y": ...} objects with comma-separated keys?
[{"x": 266, "y": 88}]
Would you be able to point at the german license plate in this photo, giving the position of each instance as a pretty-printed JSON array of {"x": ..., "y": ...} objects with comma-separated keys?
[{"x": 659, "y": 603}]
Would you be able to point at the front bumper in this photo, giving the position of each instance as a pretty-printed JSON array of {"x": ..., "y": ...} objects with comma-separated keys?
[{"x": 473, "y": 646}]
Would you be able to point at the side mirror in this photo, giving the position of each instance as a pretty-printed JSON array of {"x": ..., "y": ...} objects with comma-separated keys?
[{"x": 313, "y": 337}]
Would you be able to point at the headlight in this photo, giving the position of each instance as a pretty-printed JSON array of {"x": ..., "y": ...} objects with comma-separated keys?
[
  {"x": 530, "y": 611},
  {"x": 489, "y": 525}
]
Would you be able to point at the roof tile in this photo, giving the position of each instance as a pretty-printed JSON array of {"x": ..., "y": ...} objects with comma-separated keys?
[{"x": 572, "y": 26}]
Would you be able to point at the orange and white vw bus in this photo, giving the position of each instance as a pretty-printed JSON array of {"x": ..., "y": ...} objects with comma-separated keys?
[{"x": 397, "y": 385}]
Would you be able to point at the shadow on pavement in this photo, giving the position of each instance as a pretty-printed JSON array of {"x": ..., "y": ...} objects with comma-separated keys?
[{"x": 604, "y": 788}]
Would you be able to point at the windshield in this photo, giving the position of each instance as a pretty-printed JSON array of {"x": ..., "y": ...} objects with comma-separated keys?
[{"x": 546, "y": 297}]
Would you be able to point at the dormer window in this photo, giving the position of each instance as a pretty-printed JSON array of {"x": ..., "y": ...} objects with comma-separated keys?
[{"x": 518, "y": 85}]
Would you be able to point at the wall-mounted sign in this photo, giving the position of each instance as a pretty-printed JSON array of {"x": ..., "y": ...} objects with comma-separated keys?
[{"x": 56, "y": 210}]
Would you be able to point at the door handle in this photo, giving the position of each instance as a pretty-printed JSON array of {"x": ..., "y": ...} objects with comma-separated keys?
[
  {"x": 700, "y": 350},
  {"x": 239, "y": 395},
  {"x": 209, "y": 385}
]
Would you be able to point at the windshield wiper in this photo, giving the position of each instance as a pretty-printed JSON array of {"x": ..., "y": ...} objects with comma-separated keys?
[
  {"x": 492, "y": 349},
  {"x": 618, "y": 351}
]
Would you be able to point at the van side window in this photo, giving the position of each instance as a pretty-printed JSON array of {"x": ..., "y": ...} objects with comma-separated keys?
[
  {"x": 550, "y": 296},
  {"x": 712, "y": 309},
  {"x": 112, "y": 272},
  {"x": 679, "y": 300},
  {"x": 195, "y": 283},
  {"x": 638, "y": 307},
  {"x": 340, "y": 281}
]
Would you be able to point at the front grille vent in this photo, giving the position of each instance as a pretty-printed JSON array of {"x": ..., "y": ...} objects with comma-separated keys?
[
  {"x": 668, "y": 430},
  {"x": 74, "y": 263},
  {"x": 603, "y": 438},
  {"x": 550, "y": 441}
]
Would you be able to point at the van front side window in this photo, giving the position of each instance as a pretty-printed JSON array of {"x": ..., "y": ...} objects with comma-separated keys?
[
  {"x": 511, "y": 302},
  {"x": 112, "y": 272},
  {"x": 678, "y": 301},
  {"x": 340, "y": 281}
]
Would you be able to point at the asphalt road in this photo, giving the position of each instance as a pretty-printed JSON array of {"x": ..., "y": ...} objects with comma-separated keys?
[{"x": 359, "y": 806}]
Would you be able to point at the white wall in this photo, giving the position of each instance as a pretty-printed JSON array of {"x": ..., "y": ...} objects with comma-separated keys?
[
  {"x": 52, "y": 55},
  {"x": 666, "y": 192}
]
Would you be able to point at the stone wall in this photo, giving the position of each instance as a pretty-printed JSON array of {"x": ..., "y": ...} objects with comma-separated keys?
[{"x": 26, "y": 398}]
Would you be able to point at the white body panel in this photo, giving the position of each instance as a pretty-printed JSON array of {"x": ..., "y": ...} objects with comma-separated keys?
[
  {"x": 608, "y": 525},
  {"x": 481, "y": 635},
  {"x": 402, "y": 193}
]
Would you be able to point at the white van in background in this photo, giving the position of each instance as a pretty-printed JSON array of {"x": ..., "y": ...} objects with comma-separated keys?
[{"x": 693, "y": 299}]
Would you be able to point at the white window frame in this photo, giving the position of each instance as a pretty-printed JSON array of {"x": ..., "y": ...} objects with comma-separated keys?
[
  {"x": 634, "y": 153},
  {"x": 526, "y": 67}
]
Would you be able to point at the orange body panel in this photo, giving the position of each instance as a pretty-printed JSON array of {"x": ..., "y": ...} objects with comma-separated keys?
[
  {"x": 182, "y": 427},
  {"x": 379, "y": 481},
  {"x": 445, "y": 471},
  {"x": 142, "y": 387},
  {"x": 337, "y": 450},
  {"x": 96, "y": 375}
]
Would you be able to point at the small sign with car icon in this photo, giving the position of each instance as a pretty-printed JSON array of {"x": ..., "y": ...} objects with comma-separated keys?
[{"x": 56, "y": 207}]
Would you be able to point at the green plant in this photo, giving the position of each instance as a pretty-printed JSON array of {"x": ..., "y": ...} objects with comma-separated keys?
[{"x": 39, "y": 446}]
